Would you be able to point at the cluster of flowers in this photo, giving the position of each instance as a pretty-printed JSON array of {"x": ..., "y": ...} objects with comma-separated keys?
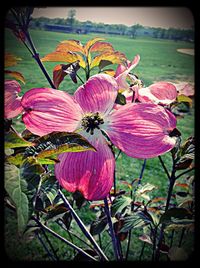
[{"x": 142, "y": 128}]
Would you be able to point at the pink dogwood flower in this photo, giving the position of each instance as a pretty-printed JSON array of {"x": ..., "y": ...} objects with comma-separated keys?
[
  {"x": 12, "y": 102},
  {"x": 184, "y": 88},
  {"x": 162, "y": 93},
  {"x": 141, "y": 130},
  {"x": 123, "y": 72}
]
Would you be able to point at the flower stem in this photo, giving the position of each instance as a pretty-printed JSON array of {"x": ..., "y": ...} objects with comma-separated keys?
[
  {"x": 37, "y": 58},
  {"x": 181, "y": 238},
  {"x": 63, "y": 239},
  {"x": 114, "y": 241},
  {"x": 132, "y": 207},
  {"x": 169, "y": 195},
  {"x": 164, "y": 167},
  {"x": 51, "y": 246},
  {"x": 71, "y": 233},
  {"x": 142, "y": 251},
  {"x": 83, "y": 228},
  {"x": 45, "y": 247}
]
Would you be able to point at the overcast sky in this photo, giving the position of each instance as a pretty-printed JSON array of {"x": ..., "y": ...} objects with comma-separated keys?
[{"x": 165, "y": 17}]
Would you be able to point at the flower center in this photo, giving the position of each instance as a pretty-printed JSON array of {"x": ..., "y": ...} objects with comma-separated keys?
[{"x": 92, "y": 121}]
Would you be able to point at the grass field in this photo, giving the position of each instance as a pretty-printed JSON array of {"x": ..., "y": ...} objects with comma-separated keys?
[{"x": 159, "y": 61}]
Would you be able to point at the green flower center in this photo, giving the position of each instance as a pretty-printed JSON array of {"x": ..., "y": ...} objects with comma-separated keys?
[{"x": 92, "y": 121}]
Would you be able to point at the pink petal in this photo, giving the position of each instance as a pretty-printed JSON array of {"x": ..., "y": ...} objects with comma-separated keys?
[
  {"x": 48, "y": 110},
  {"x": 89, "y": 172},
  {"x": 120, "y": 69},
  {"x": 121, "y": 78},
  {"x": 98, "y": 94},
  {"x": 161, "y": 92},
  {"x": 185, "y": 89},
  {"x": 141, "y": 130},
  {"x": 12, "y": 104}
]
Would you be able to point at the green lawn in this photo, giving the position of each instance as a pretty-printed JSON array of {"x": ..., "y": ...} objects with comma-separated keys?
[{"x": 159, "y": 61}]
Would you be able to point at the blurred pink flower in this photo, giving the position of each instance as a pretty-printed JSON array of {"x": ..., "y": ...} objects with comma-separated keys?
[
  {"x": 12, "y": 102},
  {"x": 141, "y": 130},
  {"x": 184, "y": 88}
]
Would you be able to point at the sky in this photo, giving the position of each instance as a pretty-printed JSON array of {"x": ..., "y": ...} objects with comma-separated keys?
[{"x": 165, "y": 17}]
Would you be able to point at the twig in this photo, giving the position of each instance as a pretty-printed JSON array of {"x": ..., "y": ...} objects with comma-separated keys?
[
  {"x": 45, "y": 247},
  {"x": 114, "y": 241},
  {"x": 71, "y": 233},
  {"x": 142, "y": 251},
  {"x": 181, "y": 238},
  {"x": 164, "y": 167},
  {"x": 186, "y": 171},
  {"x": 51, "y": 246},
  {"x": 63, "y": 239},
  {"x": 83, "y": 228},
  {"x": 132, "y": 208}
]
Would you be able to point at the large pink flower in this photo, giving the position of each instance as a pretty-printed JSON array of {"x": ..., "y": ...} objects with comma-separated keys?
[
  {"x": 12, "y": 102},
  {"x": 139, "y": 130}
]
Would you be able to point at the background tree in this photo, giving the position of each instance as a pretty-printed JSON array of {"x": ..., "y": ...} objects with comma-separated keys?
[
  {"x": 71, "y": 19},
  {"x": 134, "y": 28}
]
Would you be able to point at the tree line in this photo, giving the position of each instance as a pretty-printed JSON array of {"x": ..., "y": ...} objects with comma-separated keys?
[{"x": 71, "y": 24}]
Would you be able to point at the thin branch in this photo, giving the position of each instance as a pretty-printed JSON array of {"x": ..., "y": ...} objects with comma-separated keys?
[
  {"x": 80, "y": 78},
  {"x": 114, "y": 241},
  {"x": 45, "y": 247},
  {"x": 186, "y": 171},
  {"x": 181, "y": 238},
  {"x": 63, "y": 239},
  {"x": 132, "y": 207},
  {"x": 71, "y": 233},
  {"x": 164, "y": 167},
  {"x": 83, "y": 228},
  {"x": 51, "y": 246},
  {"x": 118, "y": 155},
  {"x": 142, "y": 251}
]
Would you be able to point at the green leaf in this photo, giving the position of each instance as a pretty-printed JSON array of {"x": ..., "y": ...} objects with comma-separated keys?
[
  {"x": 48, "y": 192},
  {"x": 183, "y": 98},
  {"x": 104, "y": 63},
  {"x": 56, "y": 212},
  {"x": 172, "y": 214},
  {"x": 14, "y": 189},
  {"x": 49, "y": 146},
  {"x": 98, "y": 225},
  {"x": 144, "y": 189},
  {"x": 119, "y": 204},
  {"x": 186, "y": 154},
  {"x": 121, "y": 99},
  {"x": 132, "y": 221},
  {"x": 13, "y": 140}
]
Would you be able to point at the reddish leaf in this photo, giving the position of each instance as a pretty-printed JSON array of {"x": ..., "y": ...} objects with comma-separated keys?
[
  {"x": 111, "y": 72},
  {"x": 101, "y": 47},
  {"x": 114, "y": 57},
  {"x": 10, "y": 60},
  {"x": 146, "y": 238},
  {"x": 70, "y": 45},
  {"x": 90, "y": 43},
  {"x": 183, "y": 185},
  {"x": 158, "y": 199},
  {"x": 64, "y": 57},
  {"x": 117, "y": 227},
  {"x": 58, "y": 75},
  {"x": 16, "y": 75}
]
